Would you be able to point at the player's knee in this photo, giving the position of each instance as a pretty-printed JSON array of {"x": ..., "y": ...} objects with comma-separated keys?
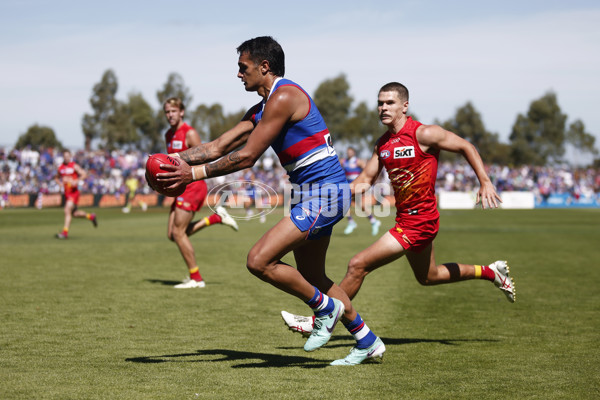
[
  {"x": 177, "y": 234},
  {"x": 255, "y": 264},
  {"x": 357, "y": 267},
  {"x": 423, "y": 280},
  {"x": 427, "y": 280}
]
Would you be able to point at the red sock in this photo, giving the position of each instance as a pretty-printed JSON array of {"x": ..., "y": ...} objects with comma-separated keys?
[
  {"x": 195, "y": 274},
  {"x": 214, "y": 219},
  {"x": 484, "y": 272}
]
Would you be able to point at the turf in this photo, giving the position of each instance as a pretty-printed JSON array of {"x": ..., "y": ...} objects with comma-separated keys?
[{"x": 96, "y": 317}]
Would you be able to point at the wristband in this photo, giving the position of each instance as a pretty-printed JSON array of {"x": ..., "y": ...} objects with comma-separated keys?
[{"x": 202, "y": 173}]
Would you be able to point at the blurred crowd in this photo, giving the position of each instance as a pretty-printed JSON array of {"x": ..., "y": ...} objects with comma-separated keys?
[
  {"x": 32, "y": 172},
  {"x": 542, "y": 181}
]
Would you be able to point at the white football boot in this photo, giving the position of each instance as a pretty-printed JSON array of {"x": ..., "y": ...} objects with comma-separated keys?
[
  {"x": 502, "y": 280},
  {"x": 190, "y": 284},
  {"x": 226, "y": 219},
  {"x": 298, "y": 323}
]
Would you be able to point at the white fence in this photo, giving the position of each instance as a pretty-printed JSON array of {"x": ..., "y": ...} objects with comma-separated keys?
[{"x": 466, "y": 200}]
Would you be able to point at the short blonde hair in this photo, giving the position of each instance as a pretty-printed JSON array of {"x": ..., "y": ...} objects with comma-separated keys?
[{"x": 175, "y": 102}]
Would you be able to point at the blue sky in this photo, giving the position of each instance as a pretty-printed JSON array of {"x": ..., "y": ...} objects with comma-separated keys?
[{"x": 500, "y": 56}]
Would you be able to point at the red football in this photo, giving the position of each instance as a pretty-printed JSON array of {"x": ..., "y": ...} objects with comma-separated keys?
[{"x": 153, "y": 168}]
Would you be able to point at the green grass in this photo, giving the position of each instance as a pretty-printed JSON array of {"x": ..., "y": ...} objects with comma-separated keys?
[{"x": 95, "y": 317}]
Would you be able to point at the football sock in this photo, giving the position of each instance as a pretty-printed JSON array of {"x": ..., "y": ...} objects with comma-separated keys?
[
  {"x": 350, "y": 219},
  {"x": 321, "y": 303},
  {"x": 213, "y": 219},
  {"x": 484, "y": 272},
  {"x": 371, "y": 218},
  {"x": 195, "y": 274},
  {"x": 65, "y": 231},
  {"x": 89, "y": 216},
  {"x": 361, "y": 332}
]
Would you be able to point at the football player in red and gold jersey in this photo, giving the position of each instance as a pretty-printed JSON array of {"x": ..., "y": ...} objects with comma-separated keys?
[
  {"x": 69, "y": 174},
  {"x": 180, "y": 137},
  {"x": 409, "y": 152}
]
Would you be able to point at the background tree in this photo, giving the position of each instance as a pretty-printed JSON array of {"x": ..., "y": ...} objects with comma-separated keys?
[
  {"x": 538, "y": 138},
  {"x": 582, "y": 141},
  {"x": 143, "y": 120},
  {"x": 210, "y": 121},
  {"x": 204, "y": 117},
  {"x": 118, "y": 129},
  {"x": 104, "y": 103},
  {"x": 334, "y": 101},
  {"x": 362, "y": 128},
  {"x": 467, "y": 123},
  {"x": 37, "y": 137}
]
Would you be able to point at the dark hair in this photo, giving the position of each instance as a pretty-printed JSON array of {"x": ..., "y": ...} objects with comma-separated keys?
[
  {"x": 265, "y": 48},
  {"x": 399, "y": 88}
]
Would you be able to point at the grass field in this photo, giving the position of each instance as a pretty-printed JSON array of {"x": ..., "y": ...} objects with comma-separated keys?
[{"x": 96, "y": 317}]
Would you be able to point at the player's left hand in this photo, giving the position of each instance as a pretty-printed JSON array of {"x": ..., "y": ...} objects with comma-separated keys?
[
  {"x": 179, "y": 175},
  {"x": 487, "y": 196}
]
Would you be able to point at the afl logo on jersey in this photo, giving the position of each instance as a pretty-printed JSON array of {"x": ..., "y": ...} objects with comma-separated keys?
[{"x": 384, "y": 154}]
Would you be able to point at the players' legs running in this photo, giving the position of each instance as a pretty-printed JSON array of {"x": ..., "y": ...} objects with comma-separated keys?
[
  {"x": 366, "y": 341},
  {"x": 328, "y": 309},
  {"x": 176, "y": 231},
  {"x": 221, "y": 216},
  {"x": 310, "y": 260},
  {"x": 427, "y": 272},
  {"x": 71, "y": 211},
  {"x": 264, "y": 261},
  {"x": 385, "y": 250}
]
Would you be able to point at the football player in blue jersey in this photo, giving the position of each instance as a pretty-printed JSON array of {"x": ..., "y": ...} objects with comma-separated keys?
[{"x": 288, "y": 120}]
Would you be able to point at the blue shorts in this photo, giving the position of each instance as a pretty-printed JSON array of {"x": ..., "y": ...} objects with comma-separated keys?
[{"x": 315, "y": 209}]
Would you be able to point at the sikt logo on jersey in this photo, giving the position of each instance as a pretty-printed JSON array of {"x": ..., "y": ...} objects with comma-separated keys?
[
  {"x": 384, "y": 154},
  {"x": 404, "y": 152}
]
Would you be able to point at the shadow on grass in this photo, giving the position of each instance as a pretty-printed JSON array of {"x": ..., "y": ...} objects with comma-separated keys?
[
  {"x": 163, "y": 282},
  {"x": 348, "y": 341},
  {"x": 254, "y": 360},
  {"x": 266, "y": 360}
]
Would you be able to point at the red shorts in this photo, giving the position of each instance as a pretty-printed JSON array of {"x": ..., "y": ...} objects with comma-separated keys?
[
  {"x": 73, "y": 196},
  {"x": 193, "y": 197},
  {"x": 415, "y": 236}
]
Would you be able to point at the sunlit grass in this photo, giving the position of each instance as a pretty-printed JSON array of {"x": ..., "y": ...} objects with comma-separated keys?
[{"x": 96, "y": 317}]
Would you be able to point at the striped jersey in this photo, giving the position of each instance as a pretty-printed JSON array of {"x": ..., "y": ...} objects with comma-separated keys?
[
  {"x": 351, "y": 168},
  {"x": 304, "y": 148}
]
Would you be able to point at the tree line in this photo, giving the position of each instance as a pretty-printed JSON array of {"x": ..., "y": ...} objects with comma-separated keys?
[{"x": 538, "y": 136}]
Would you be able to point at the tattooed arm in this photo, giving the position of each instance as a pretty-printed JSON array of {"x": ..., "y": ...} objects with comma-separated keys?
[
  {"x": 285, "y": 105},
  {"x": 224, "y": 144},
  {"x": 227, "y": 142}
]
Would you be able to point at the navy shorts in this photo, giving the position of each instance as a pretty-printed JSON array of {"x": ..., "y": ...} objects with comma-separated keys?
[{"x": 315, "y": 209}]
